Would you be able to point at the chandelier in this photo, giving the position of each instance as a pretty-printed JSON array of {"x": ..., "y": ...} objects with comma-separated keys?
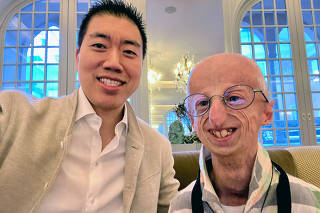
[{"x": 182, "y": 72}]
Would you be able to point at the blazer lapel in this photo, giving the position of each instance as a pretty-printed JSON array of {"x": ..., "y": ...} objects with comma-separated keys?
[{"x": 133, "y": 157}]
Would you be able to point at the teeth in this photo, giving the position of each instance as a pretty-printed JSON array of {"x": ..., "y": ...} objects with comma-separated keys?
[
  {"x": 109, "y": 82},
  {"x": 223, "y": 133}
]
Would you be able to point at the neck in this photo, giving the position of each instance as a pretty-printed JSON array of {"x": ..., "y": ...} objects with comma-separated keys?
[{"x": 231, "y": 177}]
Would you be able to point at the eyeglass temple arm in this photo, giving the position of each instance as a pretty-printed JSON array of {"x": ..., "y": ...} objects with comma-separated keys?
[{"x": 259, "y": 90}]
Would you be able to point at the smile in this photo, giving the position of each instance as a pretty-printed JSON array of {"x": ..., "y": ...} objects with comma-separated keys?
[
  {"x": 222, "y": 133},
  {"x": 110, "y": 83}
]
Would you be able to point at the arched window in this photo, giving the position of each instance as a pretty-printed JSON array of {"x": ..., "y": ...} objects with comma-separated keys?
[{"x": 267, "y": 33}]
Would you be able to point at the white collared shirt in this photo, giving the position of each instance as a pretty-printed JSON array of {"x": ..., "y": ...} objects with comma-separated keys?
[{"x": 89, "y": 180}]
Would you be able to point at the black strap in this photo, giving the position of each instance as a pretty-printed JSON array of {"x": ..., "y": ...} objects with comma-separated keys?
[{"x": 283, "y": 193}]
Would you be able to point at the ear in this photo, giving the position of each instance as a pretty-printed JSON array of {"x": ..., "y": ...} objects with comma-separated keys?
[
  {"x": 194, "y": 126},
  {"x": 77, "y": 58},
  {"x": 268, "y": 113}
]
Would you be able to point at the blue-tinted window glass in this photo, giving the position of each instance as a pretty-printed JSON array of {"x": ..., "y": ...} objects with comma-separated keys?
[
  {"x": 79, "y": 19},
  {"x": 287, "y": 67},
  {"x": 285, "y": 50},
  {"x": 11, "y": 38},
  {"x": 282, "y": 18},
  {"x": 315, "y": 83},
  {"x": 9, "y": 73},
  {"x": 52, "y": 72},
  {"x": 40, "y": 20},
  {"x": 289, "y": 84},
  {"x": 246, "y": 50},
  {"x": 53, "y": 55},
  {"x": 276, "y": 85},
  {"x": 307, "y": 17},
  {"x": 293, "y": 118},
  {"x": 23, "y": 73},
  {"x": 258, "y": 33},
  {"x": 271, "y": 34},
  {"x": 267, "y": 138},
  {"x": 53, "y": 20},
  {"x": 13, "y": 24},
  {"x": 53, "y": 38},
  {"x": 54, "y": 5},
  {"x": 313, "y": 66},
  {"x": 294, "y": 136},
  {"x": 316, "y": 100},
  {"x": 257, "y": 6},
  {"x": 318, "y": 33},
  {"x": 274, "y": 67},
  {"x": 309, "y": 34},
  {"x": 284, "y": 34},
  {"x": 260, "y": 53},
  {"x": 9, "y": 55},
  {"x": 268, "y": 4},
  {"x": 7, "y": 86},
  {"x": 37, "y": 89},
  {"x": 317, "y": 17},
  {"x": 316, "y": 114},
  {"x": 263, "y": 67},
  {"x": 37, "y": 72},
  {"x": 316, "y": 4},
  {"x": 40, "y": 6},
  {"x": 257, "y": 18},
  {"x": 25, "y": 38},
  {"x": 39, "y": 38},
  {"x": 39, "y": 55},
  {"x": 269, "y": 17},
  {"x": 82, "y": 6},
  {"x": 52, "y": 90},
  {"x": 26, "y": 21},
  {"x": 311, "y": 50},
  {"x": 280, "y": 4},
  {"x": 318, "y": 135},
  {"x": 245, "y": 35},
  {"x": 281, "y": 137},
  {"x": 278, "y": 99},
  {"x": 246, "y": 19},
  {"x": 279, "y": 120},
  {"x": 305, "y": 4},
  {"x": 25, "y": 87},
  {"x": 291, "y": 101},
  {"x": 27, "y": 8},
  {"x": 272, "y": 50}
]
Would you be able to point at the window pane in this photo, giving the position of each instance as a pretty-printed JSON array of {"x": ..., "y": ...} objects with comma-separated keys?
[
  {"x": 268, "y": 4},
  {"x": 246, "y": 19},
  {"x": 316, "y": 114},
  {"x": 307, "y": 17},
  {"x": 316, "y": 100},
  {"x": 271, "y": 34},
  {"x": 7, "y": 86},
  {"x": 291, "y": 101},
  {"x": 276, "y": 85},
  {"x": 13, "y": 24},
  {"x": 280, "y": 4},
  {"x": 54, "y": 5},
  {"x": 289, "y": 84},
  {"x": 79, "y": 19},
  {"x": 285, "y": 50},
  {"x": 269, "y": 18},
  {"x": 27, "y": 8},
  {"x": 284, "y": 34},
  {"x": 53, "y": 38},
  {"x": 11, "y": 38},
  {"x": 53, "y": 20},
  {"x": 37, "y": 72},
  {"x": 282, "y": 18},
  {"x": 245, "y": 35},
  {"x": 294, "y": 136},
  {"x": 26, "y": 21},
  {"x": 267, "y": 138},
  {"x": 258, "y": 33},
  {"x": 287, "y": 67},
  {"x": 305, "y": 4},
  {"x": 25, "y": 87},
  {"x": 278, "y": 99},
  {"x": 23, "y": 73},
  {"x": 24, "y": 55},
  {"x": 40, "y": 20},
  {"x": 39, "y": 55},
  {"x": 9, "y": 73},
  {"x": 279, "y": 119},
  {"x": 259, "y": 51},
  {"x": 53, "y": 55},
  {"x": 25, "y": 38},
  {"x": 274, "y": 67},
  {"x": 257, "y": 6},
  {"x": 9, "y": 55},
  {"x": 273, "y": 51},
  {"x": 52, "y": 72},
  {"x": 313, "y": 66},
  {"x": 246, "y": 50},
  {"x": 318, "y": 33},
  {"x": 317, "y": 17},
  {"x": 318, "y": 135},
  {"x": 39, "y": 38},
  {"x": 311, "y": 50},
  {"x": 40, "y": 5},
  {"x": 37, "y": 89},
  {"x": 257, "y": 18},
  {"x": 263, "y": 67},
  {"x": 309, "y": 33},
  {"x": 52, "y": 90},
  {"x": 316, "y": 4},
  {"x": 82, "y": 6},
  {"x": 293, "y": 118},
  {"x": 281, "y": 137}
]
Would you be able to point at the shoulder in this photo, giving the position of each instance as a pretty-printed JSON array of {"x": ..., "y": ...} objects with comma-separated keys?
[{"x": 182, "y": 200}]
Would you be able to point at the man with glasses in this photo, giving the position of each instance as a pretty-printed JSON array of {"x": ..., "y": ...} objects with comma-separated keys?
[{"x": 227, "y": 104}]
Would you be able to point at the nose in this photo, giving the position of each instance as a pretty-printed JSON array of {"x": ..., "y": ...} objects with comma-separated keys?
[
  {"x": 217, "y": 111},
  {"x": 112, "y": 61}
]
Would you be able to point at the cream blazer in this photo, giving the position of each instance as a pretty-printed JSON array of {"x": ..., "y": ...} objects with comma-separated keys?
[{"x": 34, "y": 136}]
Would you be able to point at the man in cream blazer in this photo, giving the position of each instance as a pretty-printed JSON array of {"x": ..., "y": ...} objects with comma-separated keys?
[{"x": 88, "y": 152}]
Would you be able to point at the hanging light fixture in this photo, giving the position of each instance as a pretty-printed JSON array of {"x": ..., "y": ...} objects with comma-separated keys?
[{"x": 182, "y": 72}]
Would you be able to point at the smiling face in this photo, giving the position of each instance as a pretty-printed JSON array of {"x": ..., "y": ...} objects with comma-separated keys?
[
  {"x": 109, "y": 62},
  {"x": 224, "y": 131}
]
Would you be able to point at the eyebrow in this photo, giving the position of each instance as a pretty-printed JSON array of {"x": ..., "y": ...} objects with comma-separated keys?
[{"x": 108, "y": 38}]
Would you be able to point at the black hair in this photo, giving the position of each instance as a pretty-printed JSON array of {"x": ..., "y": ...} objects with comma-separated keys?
[{"x": 117, "y": 8}]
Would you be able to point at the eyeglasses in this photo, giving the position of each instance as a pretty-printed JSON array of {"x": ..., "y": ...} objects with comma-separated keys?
[{"x": 236, "y": 97}]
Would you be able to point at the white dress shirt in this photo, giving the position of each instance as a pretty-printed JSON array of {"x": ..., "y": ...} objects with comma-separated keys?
[{"x": 90, "y": 180}]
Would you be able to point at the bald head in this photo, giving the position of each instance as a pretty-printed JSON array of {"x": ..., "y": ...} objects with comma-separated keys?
[{"x": 230, "y": 68}]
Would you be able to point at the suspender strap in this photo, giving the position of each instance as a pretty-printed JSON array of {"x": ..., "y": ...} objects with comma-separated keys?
[
  {"x": 283, "y": 191},
  {"x": 196, "y": 197}
]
